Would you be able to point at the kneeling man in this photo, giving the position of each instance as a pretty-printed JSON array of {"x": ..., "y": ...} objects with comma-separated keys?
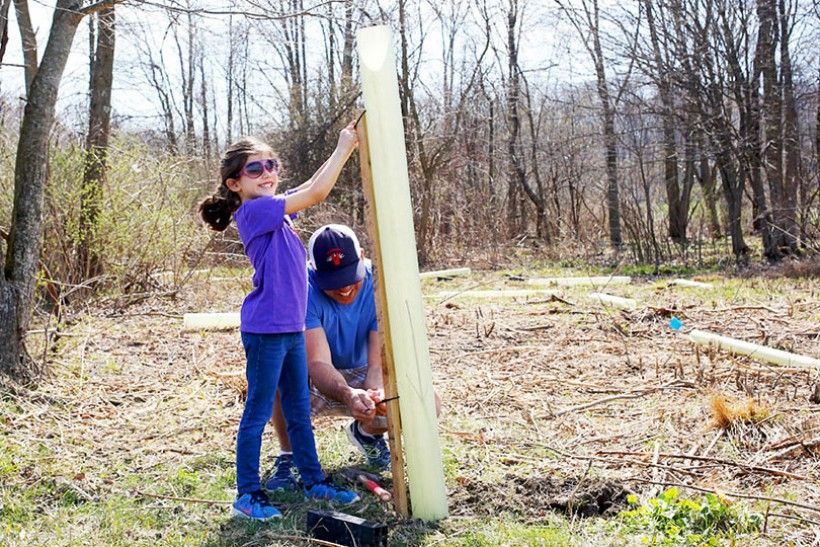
[{"x": 343, "y": 349}]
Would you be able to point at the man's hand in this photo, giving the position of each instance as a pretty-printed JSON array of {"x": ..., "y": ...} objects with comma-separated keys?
[
  {"x": 377, "y": 395},
  {"x": 361, "y": 404}
]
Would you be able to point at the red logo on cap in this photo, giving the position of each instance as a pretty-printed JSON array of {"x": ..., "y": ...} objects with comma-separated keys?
[{"x": 335, "y": 256}]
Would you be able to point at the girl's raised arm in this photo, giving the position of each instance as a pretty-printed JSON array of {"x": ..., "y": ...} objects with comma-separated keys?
[{"x": 318, "y": 187}]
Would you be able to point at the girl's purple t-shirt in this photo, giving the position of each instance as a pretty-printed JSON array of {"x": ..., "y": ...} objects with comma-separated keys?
[{"x": 278, "y": 301}]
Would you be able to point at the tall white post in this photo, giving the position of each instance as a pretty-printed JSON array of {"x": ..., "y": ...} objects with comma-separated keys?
[{"x": 396, "y": 253}]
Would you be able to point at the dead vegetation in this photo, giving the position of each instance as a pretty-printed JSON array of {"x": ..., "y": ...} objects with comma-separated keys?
[{"x": 553, "y": 406}]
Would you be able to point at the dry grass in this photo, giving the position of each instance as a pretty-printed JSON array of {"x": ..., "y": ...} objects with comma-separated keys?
[
  {"x": 728, "y": 413},
  {"x": 552, "y": 409}
]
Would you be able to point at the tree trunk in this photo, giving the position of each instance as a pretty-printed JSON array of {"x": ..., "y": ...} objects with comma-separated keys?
[
  {"x": 519, "y": 176},
  {"x": 817, "y": 127},
  {"x": 707, "y": 97},
  {"x": 706, "y": 177},
  {"x": 206, "y": 125},
  {"x": 31, "y": 174},
  {"x": 187, "y": 68},
  {"x": 29, "y": 41},
  {"x": 733, "y": 192},
  {"x": 229, "y": 73},
  {"x": 610, "y": 139},
  {"x": 791, "y": 138},
  {"x": 4, "y": 31},
  {"x": 96, "y": 151},
  {"x": 416, "y": 148},
  {"x": 773, "y": 144},
  {"x": 347, "y": 52},
  {"x": 678, "y": 215},
  {"x": 330, "y": 61}
]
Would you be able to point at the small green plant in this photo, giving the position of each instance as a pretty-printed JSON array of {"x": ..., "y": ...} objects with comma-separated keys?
[{"x": 671, "y": 520}]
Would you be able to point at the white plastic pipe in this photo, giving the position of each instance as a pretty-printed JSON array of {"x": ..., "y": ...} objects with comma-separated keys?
[
  {"x": 691, "y": 283},
  {"x": 612, "y": 300},
  {"x": 575, "y": 281},
  {"x": 755, "y": 351},
  {"x": 404, "y": 308},
  {"x": 210, "y": 321},
  {"x": 507, "y": 293},
  {"x": 445, "y": 273}
]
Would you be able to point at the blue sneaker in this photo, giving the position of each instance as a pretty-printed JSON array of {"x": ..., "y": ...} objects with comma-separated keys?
[
  {"x": 256, "y": 506},
  {"x": 283, "y": 475},
  {"x": 374, "y": 448},
  {"x": 327, "y": 490}
]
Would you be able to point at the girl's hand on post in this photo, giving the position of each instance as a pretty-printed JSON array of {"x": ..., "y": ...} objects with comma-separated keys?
[{"x": 348, "y": 138}]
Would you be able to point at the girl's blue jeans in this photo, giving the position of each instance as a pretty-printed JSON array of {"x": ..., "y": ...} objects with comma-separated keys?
[{"x": 275, "y": 360}]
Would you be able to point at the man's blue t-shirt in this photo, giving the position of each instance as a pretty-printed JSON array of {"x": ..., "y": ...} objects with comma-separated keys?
[{"x": 347, "y": 326}]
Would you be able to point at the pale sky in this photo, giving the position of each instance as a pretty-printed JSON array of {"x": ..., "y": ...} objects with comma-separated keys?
[{"x": 544, "y": 44}]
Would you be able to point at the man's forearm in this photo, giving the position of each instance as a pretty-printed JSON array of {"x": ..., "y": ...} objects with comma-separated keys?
[
  {"x": 329, "y": 381},
  {"x": 374, "y": 379}
]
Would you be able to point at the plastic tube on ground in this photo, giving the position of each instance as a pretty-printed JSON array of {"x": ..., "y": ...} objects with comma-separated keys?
[
  {"x": 691, "y": 283},
  {"x": 755, "y": 351},
  {"x": 612, "y": 300},
  {"x": 210, "y": 321},
  {"x": 507, "y": 293},
  {"x": 575, "y": 281}
]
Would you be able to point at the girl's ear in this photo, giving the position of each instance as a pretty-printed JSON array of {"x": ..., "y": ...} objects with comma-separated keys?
[{"x": 232, "y": 184}]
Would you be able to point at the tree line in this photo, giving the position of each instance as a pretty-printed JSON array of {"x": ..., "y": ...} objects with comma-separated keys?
[{"x": 647, "y": 127}]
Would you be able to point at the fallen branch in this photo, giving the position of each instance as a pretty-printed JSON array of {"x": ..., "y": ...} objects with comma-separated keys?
[
  {"x": 723, "y": 461},
  {"x": 604, "y": 460},
  {"x": 175, "y": 498},
  {"x": 632, "y": 395},
  {"x": 815, "y": 523},
  {"x": 740, "y": 308}
]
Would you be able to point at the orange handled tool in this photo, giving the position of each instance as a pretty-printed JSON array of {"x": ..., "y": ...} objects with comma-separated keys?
[{"x": 374, "y": 487}]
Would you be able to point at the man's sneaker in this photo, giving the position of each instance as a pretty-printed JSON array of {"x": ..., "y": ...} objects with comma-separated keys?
[
  {"x": 256, "y": 506},
  {"x": 282, "y": 477},
  {"x": 374, "y": 448},
  {"x": 328, "y": 490}
]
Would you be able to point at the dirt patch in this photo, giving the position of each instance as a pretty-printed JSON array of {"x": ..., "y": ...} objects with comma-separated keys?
[{"x": 535, "y": 496}]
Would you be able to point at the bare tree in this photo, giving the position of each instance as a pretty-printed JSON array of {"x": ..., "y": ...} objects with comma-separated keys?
[
  {"x": 514, "y": 141},
  {"x": 4, "y": 23},
  {"x": 186, "y": 53},
  {"x": 791, "y": 132},
  {"x": 31, "y": 174},
  {"x": 96, "y": 150},
  {"x": 678, "y": 203},
  {"x": 588, "y": 26},
  {"x": 29, "y": 40},
  {"x": 203, "y": 105}
]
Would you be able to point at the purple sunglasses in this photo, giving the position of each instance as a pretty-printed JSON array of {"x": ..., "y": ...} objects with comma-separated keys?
[{"x": 255, "y": 169}]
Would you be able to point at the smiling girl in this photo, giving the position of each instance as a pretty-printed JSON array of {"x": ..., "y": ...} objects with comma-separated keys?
[{"x": 273, "y": 313}]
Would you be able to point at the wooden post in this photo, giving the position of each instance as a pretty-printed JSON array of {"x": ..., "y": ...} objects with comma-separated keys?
[
  {"x": 403, "y": 318},
  {"x": 388, "y": 367}
]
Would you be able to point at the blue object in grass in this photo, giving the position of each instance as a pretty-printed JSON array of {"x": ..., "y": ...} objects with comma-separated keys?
[{"x": 675, "y": 323}]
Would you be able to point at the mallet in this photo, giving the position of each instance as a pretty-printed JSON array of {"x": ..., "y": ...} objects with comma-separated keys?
[{"x": 374, "y": 487}]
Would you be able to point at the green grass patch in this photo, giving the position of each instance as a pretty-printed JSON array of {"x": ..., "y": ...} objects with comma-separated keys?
[
  {"x": 672, "y": 520},
  {"x": 509, "y": 532}
]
